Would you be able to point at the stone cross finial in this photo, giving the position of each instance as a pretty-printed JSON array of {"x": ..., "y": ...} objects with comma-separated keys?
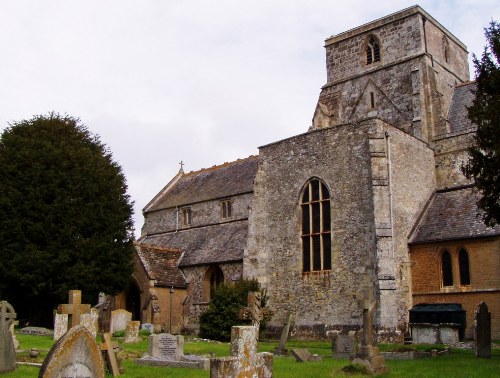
[
  {"x": 182, "y": 166},
  {"x": 74, "y": 308},
  {"x": 7, "y": 314}
]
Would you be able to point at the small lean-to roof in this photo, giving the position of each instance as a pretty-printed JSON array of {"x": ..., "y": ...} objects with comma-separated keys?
[
  {"x": 218, "y": 243},
  {"x": 207, "y": 184},
  {"x": 462, "y": 98},
  {"x": 452, "y": 215},
  {"x": 161, "y": 265}
]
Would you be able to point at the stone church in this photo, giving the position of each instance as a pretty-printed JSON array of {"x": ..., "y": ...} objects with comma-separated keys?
[{"x": 368, "y": 204}]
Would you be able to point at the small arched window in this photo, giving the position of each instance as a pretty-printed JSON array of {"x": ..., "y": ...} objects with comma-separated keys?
[
  {"x": 316, "y": 229},
  {"x": 446, "y": 269},
  {"x": 372, "y": 51},
  {"x": 463, "y": 266}
]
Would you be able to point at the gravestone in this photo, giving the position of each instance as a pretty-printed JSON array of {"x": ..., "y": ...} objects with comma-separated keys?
[
  {"x": 168, "y": 350},
  {"x": 91, "y": 321},
  {"x": 76, "y": 354},
  {"x": 482, "y": 331},
  {"x": 13, "y": 333},
  {"x": 148, "y": 326},
  {"x": 281, "y": 348},
  {"x": 344, "y": 346},
  {"x": 244, "y": 360},
  {"x": 74, "y": 308},
  {"x": 60, "y": 325},
  {"x": 368, "y": 355},
  {"x": 132, "y": 331},
  {"x": 301, "y": 355},
  {"x": 104, "y": 306},
  {"x": 108, "y": 348},
  {"x": 253, "y": 311},
  {"x": 119, "y": 319},
  {"x": 7, "y": 350}
]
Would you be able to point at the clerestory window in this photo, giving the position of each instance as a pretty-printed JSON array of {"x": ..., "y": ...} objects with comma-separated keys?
[
  {"x": 316, "y": 227},
  {"x": 372, "y": 51}
]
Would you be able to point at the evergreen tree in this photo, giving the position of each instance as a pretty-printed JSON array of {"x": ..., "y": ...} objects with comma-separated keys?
[
  {"x": 65, "y": 216},
  {"x": 484, "y": 163}
]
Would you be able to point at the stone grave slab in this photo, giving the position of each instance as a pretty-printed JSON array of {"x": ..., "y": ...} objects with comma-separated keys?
[
  {"x": 301, "y": 355},
  {"x": 60, "y": 325},
  {"x": 244, "y": 360},
  {"x": 7, "y": 349},
  {"x": 91, "y": 321},
  {"x": 344, "y": 345},
  {"x": 132, "y": 331},
  {"x": 119, "y": 319},
  {"x": 168, "y": 351},
  {"x": 482, "y": 331},
  {"x": 76, "y": 354}
]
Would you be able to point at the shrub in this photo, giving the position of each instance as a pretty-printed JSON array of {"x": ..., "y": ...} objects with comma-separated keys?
[{"x": 223, "y": 312}]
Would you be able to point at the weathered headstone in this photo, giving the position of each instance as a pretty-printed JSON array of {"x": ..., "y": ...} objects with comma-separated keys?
[
  {"x": 60, "y": 325},
  {"x": 119, "y": 319},
  {"x": 13, "y": 333},
  {"x": 253, "y": 311},
  {"x": 74, "y": 308},
  {"x": 482, "y": 331},
  {"x": 344, "y": 345},
  {"x": 281, "y": 348},
  {"x": 108, "y": 349},
  {"x": 368, "y": 355},
  {"x": 91, "y": 321},
  {"x": 244, "y": 360},
  {"x": 148, "y": 326},
  {"x": 76, "y": 354},
  {"x": 132, "y": 331},
  {"x": 301, "y": 355},
  {"x": 7, "y": 350},
  {"x": 168, "y": 350},
  {"x": 104, "y": 306}
]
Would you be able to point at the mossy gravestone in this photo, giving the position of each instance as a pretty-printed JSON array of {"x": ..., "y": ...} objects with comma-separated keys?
[
  {"x": 7, "y": 351},
  {"x": 76, "y": 354}
]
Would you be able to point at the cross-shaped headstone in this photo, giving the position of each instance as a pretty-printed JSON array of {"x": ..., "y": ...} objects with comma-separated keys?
[
  {"x": 244, "y": 360},
  {"x": 253, "y": 311},
  {"x": 74, "y": 308},
  {"x": 108, "y": 348},
  {"x": 7, "y": 349},
  {"x": 7, "y": 314}
]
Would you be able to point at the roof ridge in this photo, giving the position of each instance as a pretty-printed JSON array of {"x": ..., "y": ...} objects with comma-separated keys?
[{"x": 223, "y": 165}]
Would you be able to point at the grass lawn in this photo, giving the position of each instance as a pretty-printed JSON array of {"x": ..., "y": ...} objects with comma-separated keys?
[{"x": 460, "y": 363}]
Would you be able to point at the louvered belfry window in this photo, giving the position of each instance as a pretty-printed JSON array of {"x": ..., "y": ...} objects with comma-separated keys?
[
  {"x": 316, "y": 227},
  {"x": 372, "y": 51}
]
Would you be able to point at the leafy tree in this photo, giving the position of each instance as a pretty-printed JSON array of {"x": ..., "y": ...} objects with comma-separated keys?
[
  {"x": 223, "y": 312},
  {"x": 484, "y": 163},
  {"x": 65, "y": 217}
]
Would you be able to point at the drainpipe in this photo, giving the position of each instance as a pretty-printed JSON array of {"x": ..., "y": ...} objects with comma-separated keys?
[{"x": 389, "y": 184}]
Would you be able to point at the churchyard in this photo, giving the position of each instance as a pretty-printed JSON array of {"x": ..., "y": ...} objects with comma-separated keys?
[{"x": 459, "y": 362}]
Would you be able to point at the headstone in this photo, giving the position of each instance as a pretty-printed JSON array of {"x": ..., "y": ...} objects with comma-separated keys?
[
  {"x": 301, "y": 355},
  {"x": 7, "y": 349},
  {"x": 368, "y": 355},
  {"x": 76, "y": 354},
  {"x": 13, "y": 333},
  {"x": 168, "y": 350},
  {"x": 91, "y": 321},
  {"x": 244, "y": 360},
  {"x": 253, "y": 311},
  {"x": 281, "y": 348},
  {"x": 108, "y": 349},
  {"x": 74, "y": 308},
  {"x": 148, "y": 326},
  {"x": 482, "y": 331},
  {"x": 104, "y": 309},
  {"x": 344, "y": 345},
  {"x": 132, "y": 331},
  {"x": 60, "y": 325},
  {"x": 119, "y": 319}
]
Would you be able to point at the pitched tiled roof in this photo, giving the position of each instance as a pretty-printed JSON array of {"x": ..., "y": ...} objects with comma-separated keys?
[
  {"x": 205, "y": 245},
  {"x": 161, "y": 265},
  {"x": 457, "y": 115},
  {"x": 219, "y": 181},
  {"x": 452, "y": 214}
]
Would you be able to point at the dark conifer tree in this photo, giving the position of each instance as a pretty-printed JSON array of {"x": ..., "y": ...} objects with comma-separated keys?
[{"x": 65, "y": 216}]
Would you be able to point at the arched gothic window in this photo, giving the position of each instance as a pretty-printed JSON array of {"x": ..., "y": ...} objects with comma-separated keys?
[
  {"x": 372, "y": 51},
  {"x": 446, "y": 269},
  {"x": 316, "y": 229},
  {"x": 213, "y": 278},
  {"x": 463, "y": 267}
]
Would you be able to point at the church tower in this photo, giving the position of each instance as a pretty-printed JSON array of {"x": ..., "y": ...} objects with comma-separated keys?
[{"x": 401, "y": 69}]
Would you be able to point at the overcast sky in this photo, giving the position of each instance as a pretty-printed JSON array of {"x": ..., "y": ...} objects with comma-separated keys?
[{"x": 204, "y": 82}]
